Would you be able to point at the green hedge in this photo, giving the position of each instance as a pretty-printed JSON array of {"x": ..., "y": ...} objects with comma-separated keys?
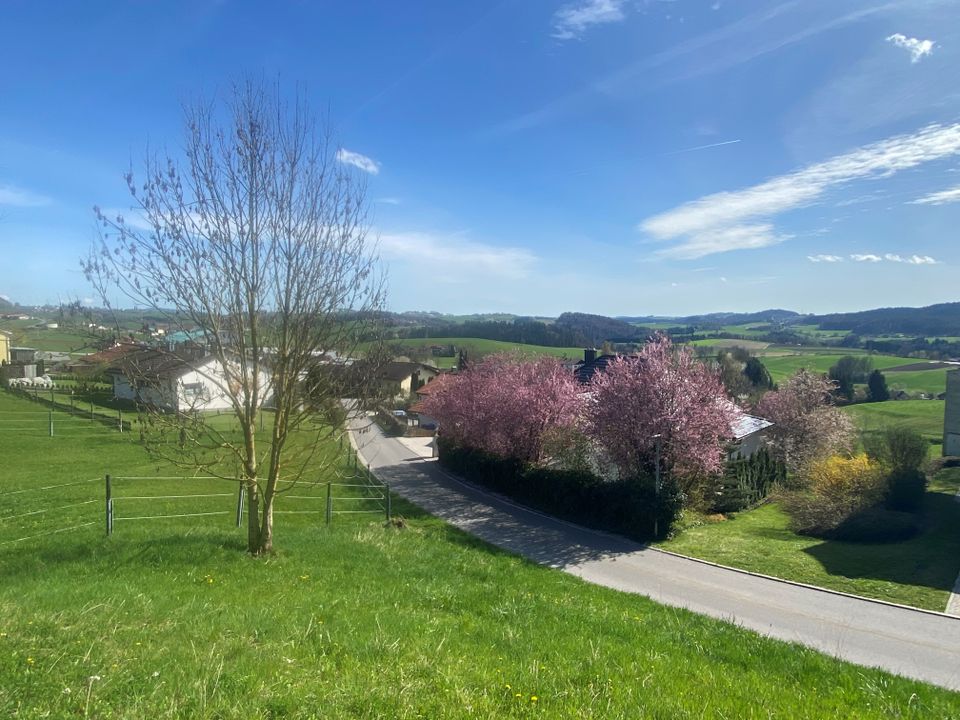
[
  {"x": 745, "y": 482},
  {"x": 626, "y": 507}
]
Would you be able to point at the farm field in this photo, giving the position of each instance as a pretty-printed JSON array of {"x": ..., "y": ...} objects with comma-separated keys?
[
  {"x": 932, "y": 382},
  {"x": 477, "y": 347},
  {"x": 924, "y": 416},
  {"x": 784, "y": 366},
  {"x": 44, "y": 339},
  {"x": 918, "y": 572},
  {"x": 172, "y": 619}
]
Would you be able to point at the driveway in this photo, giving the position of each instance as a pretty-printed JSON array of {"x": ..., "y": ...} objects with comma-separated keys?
[{"x": 913, "y": 643}]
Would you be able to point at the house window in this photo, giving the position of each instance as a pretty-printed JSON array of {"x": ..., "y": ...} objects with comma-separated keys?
[{"x": 192, "y": 390}]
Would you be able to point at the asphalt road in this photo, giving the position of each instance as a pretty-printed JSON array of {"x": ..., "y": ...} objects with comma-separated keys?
[{"x": 913, "y": 643}]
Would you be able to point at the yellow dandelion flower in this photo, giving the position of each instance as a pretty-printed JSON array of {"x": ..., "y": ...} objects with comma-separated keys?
[
  {"x": 29, "y": 661},
  {"x": 533, "y": 698},
  {"x": 518, "y": 694}
]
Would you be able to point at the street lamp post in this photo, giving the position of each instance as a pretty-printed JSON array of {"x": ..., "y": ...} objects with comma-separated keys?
[{"x": 656, "y": 487}]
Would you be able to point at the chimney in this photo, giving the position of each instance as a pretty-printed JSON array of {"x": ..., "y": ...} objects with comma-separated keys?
[{"x": 589, "y": 355}]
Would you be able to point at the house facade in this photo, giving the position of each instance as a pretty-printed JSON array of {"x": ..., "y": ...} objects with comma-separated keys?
[
  {"x": 175, "y": 384},
  {"x": 951, "y": 415}
]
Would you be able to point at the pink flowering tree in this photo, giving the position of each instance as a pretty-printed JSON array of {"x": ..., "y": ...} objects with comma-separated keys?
[
  {"x": 807, "y": 427},
  {"x": 505, "y": 405},
  {"x": 662, "y": 391}
]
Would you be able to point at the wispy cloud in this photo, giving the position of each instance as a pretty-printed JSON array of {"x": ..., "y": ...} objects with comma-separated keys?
[
  {"x": 388, "y": 200},
  {"x": 939, "y": 198},
  {"x": 17, "y": 197},
  {"x": 727, "y": 221},
  {"x": 368, "y": 165},
  {"x": 571, "y": 21},
  {"x": 911, "y": 259},
  {"x": 454, "y": 257},
  {"x": 895, "y": 258},
  {"x": 825, "y": 258},
  {"x": 752, "y": 36},
  {"x": 918, "y": 49}
]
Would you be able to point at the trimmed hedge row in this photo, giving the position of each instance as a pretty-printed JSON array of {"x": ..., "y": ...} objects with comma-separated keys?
[{"x": 627, "y": 507}]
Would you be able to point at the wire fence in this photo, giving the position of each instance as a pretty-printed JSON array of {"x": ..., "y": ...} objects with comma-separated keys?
[
  {"x": 39, "y": 512},
  {"x": 62, "y": 416}
]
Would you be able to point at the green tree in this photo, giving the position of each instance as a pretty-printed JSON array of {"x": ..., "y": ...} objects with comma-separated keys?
[
  {"x": 877, "y": 389},
  {"x": 849, "y": 370},
  {"x": 758, "y": 375}
]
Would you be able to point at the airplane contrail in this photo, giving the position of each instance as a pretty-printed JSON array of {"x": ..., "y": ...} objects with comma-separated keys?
[{"x": 704, "y": 147}]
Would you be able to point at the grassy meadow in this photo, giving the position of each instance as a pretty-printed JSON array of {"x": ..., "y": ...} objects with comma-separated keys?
[
  {"x": 478, "y": 347},
  {"x": 918, "y": 572},
  {"x": 171, "y": 619}
]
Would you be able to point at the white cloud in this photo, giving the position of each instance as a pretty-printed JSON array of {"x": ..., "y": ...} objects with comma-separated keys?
[
  {"x": 4, "y": 297},
  {"x": 17, "y": 197},
  {"x": 454, "y": 257},
  {"x": 911, "y": 259},
  {"x": 918, "y": 49},
  {"x": 825, "y": 258},
  {"x": 368, "y": 165},
  {"x": 939, "y": 198},
  {"x": 726, "y": 221},
  {"x": 388, "y": 200},
  {"x": 895, "y": 258},
  {"x": 723, "y": 239},
  {"x": 570, "y": 21}
]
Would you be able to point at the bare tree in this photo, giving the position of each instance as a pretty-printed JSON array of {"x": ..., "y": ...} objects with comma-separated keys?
[{"x": 255, "y": 239}]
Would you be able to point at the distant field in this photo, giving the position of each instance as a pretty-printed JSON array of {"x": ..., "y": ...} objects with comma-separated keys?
[
  {"x": 44, "y": 339},
  {"x": 783, "y": 367},
  {"x": 933, "y": 381},
  {"x": 925, "y": 416},
  {"x": 479, "y": 347},
  {"x": 718, "y": 343}
]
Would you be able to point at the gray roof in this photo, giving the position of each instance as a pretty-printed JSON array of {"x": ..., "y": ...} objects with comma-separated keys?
[{"x": 746, "y": 425}]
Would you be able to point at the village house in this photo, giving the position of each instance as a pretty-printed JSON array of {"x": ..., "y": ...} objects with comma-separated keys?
[
  {"x": 401, "y": 379},
  {"x": 187, "y": 381}
]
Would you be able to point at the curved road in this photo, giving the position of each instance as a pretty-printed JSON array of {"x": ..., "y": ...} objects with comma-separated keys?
[{"x": 913, "y": 643}]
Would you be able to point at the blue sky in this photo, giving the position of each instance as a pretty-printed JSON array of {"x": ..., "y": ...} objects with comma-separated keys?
[{"x": 533, "y": 156}]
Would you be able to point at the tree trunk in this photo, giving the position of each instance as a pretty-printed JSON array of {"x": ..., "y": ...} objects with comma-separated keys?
[
  {"x": 266, "y": 527},
  {"x": 253, "y": 517}
]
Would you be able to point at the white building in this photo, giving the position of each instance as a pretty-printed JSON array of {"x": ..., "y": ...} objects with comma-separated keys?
[{"x": 176, "y": 384}]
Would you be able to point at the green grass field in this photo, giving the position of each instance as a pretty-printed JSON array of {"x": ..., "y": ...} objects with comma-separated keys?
[
  {"x": 782, "y": 367},
  {"x": 932, "y": 382},
  {"x": 477, "y": 347},
  {"x": 924, "y": 416},
  {"x": 170, "y": 619},
  {"x": 918, "y": 572}
]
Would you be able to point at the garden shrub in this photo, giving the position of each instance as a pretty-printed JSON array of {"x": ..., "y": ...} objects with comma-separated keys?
[
  {"x": 856, "y": 482},
  {"x": 745, "y": 482},
  {"x": 905, "y": 490},
  {"x": 627, "y": 506}
]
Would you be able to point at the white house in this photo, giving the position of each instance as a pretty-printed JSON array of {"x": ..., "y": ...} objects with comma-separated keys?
[
  {"x": 749, "y": 434},
  {"x": 176, "y": 383}
]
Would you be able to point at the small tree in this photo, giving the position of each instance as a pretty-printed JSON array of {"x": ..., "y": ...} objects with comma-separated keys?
[
  {"x": 662, "y": 396},
  {"x": 758, "y": 375},
  {"x": 847, "y": 371},
  {"x": 877, "y": 390},
  {"x": 255, "y": 239},
  {"x": 806, "y": 425}
]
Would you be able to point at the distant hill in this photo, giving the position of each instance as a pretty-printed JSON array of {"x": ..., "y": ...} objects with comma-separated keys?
[
  {"x": 931, "y": 321},
  {"x": 594, "y": 329},
  {"x": 720, "y": 318},
  {"x": 6, "y": 304}
]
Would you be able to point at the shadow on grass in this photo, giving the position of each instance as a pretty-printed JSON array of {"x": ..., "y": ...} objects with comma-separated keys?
[
  {"x": 931, "y": 559},
  {"x": 487, "y": 522}
]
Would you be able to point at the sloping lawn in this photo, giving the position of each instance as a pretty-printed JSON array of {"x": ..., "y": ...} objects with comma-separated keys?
[
  {"x": 919, "y": 572},
  {"x": 171, "y": 619}
]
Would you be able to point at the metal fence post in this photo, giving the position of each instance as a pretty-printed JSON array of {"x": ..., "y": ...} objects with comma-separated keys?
[
  {"x": 120, "y": 419},
  {"x": 109, "y": 507},
  {"x": 240, "y": 504},
  {"x": 329, "y": 504},
  {"x": 91, "y": 410},
  {"x": 386, "y": 489},
  {"x": 51, "y": 422}
]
